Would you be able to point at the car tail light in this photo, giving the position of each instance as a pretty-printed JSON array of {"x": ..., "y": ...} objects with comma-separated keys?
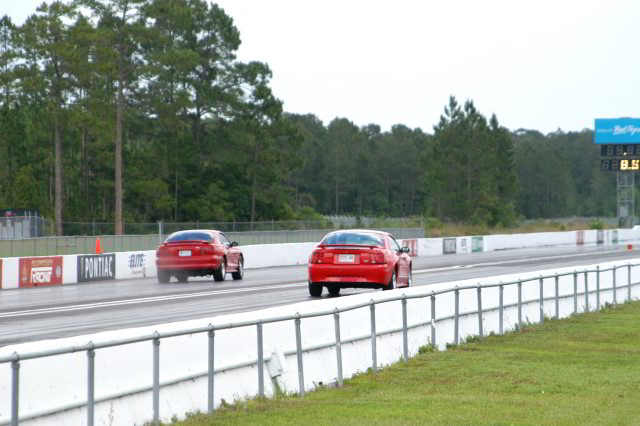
[
  {"x": 162, "y": 251},
  {"x": 376, "y": 257},
  {"x": 206, "y": 250},
  {"x": 315, "y": 257},
  {"x": 327, "y": 258}
]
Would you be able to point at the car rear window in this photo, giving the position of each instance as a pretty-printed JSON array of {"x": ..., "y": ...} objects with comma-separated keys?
[
  {"x": 190, "y": 236},
  {"x": 363, "y": 238}
]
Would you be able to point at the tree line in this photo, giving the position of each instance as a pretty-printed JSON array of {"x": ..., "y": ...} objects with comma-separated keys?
[{"x": 139, "y": 110}]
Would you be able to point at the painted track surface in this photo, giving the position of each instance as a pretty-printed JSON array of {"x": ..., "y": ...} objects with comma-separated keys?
[{"x": 54, "y": 312}]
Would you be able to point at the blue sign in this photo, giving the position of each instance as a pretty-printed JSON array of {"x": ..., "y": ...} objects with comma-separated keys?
[{"x": 617, "y": 131}]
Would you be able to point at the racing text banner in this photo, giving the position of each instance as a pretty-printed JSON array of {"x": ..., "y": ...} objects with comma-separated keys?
[{"x": 40, "y": 271}]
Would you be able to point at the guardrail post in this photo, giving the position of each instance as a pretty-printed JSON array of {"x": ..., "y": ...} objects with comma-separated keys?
[
  {"x": 336, "y": 318},
  {"x": 541, "y": 300},
  {"x": 586, "y": 291},
  {"x": 299, "y": 356},
  {"x": 15, "y": 390},
  {"x": 456, "y": 335},
  {"x": 156, "y": 380},
  {"x": 91, "y": 355},
  {"x": 575, "y": 292},
  {"x": 598, "y": 287},
  {"x": 501, "y": 320},
  {"x": 615, "y": 298},
  {"x": 557, "y": 282},
  {"x": 433, "y": 320},
  {"x": 480, "y": 331},
  {"x": 260, "y": 360},
  {"x": 519, "y": 303},
  {"x": 405, "y": 337},
  {"x": 210, "y": 371},
  {"x": 629, "y": 282},
  {"x": 374, "y": 354}
]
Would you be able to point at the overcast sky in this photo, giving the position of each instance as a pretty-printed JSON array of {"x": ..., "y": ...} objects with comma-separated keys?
[{"x": 536, "y": 64}]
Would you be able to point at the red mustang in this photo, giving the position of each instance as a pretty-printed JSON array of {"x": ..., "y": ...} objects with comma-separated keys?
[
  {"x": 358, "y": 259},
  {"x": 198, "y": 253}
]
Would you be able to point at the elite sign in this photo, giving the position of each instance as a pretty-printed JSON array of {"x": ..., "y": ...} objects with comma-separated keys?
[{"x": 99, "y": 267}]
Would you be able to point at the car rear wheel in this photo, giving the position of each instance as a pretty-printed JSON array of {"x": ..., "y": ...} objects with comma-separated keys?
[
  {"x": 182, "y": 277},
  {"x": 333, "y": 290},
  {"x": 240, "y": 272},
  {"x": 410, "y": 279},
  {"x": 392, "y": 282},
  {"x": 315, "y": 289},
  {"x": 220, "y": 273},
  {"x": 163, "y": 277}
]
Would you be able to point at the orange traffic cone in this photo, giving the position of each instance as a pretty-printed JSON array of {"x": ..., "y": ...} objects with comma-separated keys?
[{"x": 98, "y": 248}]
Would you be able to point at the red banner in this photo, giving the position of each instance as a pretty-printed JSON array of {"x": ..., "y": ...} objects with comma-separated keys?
[{"x": 40, "y": 271}]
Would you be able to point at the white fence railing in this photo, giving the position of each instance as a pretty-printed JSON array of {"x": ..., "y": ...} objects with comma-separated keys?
[{"x": 229, "y": 359}]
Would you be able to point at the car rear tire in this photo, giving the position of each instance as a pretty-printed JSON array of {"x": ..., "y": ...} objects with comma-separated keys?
[
  {"x": 220, "y": 273},
  {"x": 315, "y": 289},
  {"x": 333, "y": 290},
  {"x": 240, "y": 272},
  {"x": 392, "y": 282},
  {"x": 182, "y": 277},
  {"x": 410, "y": 279},
  {"x": 163, "y": 277}
]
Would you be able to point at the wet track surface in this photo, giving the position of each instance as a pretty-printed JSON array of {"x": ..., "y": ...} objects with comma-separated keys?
[{"x": 54, "y": 312}]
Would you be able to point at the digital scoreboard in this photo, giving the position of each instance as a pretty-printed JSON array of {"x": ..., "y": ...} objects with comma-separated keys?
[
  {"x": 616, "y": 165},
  {"x": 619, "y": 139}
]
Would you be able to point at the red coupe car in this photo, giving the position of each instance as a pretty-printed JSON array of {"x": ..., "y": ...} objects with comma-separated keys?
[
  {"x": 358, "y": 259},
  {"x": 198, "y": 253}
]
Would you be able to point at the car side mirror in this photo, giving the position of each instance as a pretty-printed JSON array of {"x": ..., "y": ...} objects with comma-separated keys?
[
  {"x": 405, "y": 250},
  {"x": 233, "y": 244}
]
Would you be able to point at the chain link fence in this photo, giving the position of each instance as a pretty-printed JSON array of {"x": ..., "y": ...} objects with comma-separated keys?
[{"x": 48, "y": 246}]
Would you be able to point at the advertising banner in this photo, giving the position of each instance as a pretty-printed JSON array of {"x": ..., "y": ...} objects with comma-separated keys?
[
  {"x": 40, "y": 271},
  {"x": 617, "y": 130},
  {"x": 449, "y": 245},
  {"x": 600, "y": 239},
  {"x": 477, "y": 244},
  {"x": 614, "y": 236},
  {"x": 463, "y": 245},
  {"x": 137, "y": 264},
  {"x": 98, "y": 267},
  {"x": 579, "y": 238},
  {"x": 0, "y": 274}
]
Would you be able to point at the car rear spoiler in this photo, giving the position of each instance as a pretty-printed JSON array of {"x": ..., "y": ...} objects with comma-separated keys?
[{"x": 352, "y": 246}]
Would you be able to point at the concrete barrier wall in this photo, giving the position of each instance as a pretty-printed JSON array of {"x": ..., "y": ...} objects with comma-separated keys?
[
  {"x": 140, "y": 264},
  {"x": 61, "y": 380}
]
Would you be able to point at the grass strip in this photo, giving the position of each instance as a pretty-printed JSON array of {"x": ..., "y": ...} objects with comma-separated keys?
[{"x": 581, "y": 370}]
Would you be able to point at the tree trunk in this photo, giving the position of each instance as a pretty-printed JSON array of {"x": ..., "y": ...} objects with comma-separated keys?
[
  {"x": 175, "y": 194},
  {"x": 254, "y": 185},
  {"x": 119, "y": 119},
  {"x": 59, "y": 201}
]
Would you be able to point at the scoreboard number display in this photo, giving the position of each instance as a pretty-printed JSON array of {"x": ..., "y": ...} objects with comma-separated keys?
[
  {"x": 619, "y": 150},
  {"x": 620, "y": 165}
]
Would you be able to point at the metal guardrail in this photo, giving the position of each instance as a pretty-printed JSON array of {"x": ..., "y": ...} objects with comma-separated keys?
[
  {"x": 156, "y": 337},
  {"x": 55, "y": 246}
]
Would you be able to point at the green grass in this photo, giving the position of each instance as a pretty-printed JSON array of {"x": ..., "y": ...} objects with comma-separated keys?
[{"x": 580, "y": 370}]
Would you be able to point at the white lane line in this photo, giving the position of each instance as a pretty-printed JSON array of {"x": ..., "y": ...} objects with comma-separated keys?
[
  {"x": 141, "y": 300},
  {"x": 502, "y": 262},
  {"x": 241, "y": 290}
]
